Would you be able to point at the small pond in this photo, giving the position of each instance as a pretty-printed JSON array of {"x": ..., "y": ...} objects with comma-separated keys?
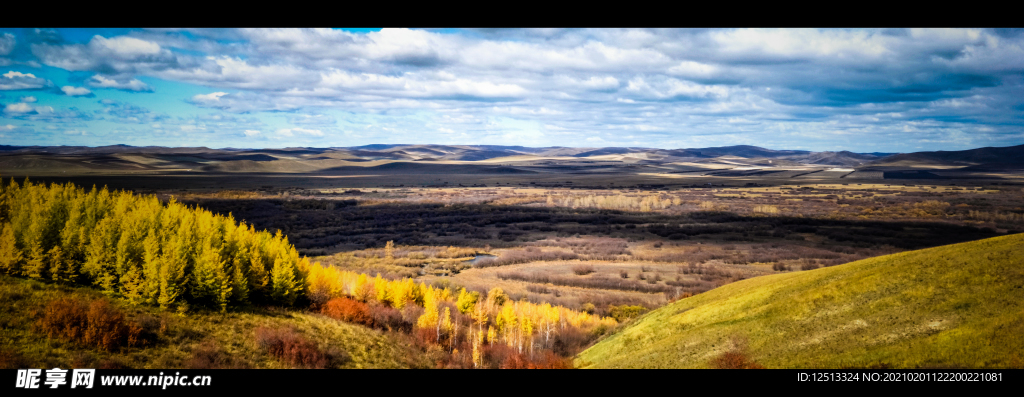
[{"x": 479, "y": 257}]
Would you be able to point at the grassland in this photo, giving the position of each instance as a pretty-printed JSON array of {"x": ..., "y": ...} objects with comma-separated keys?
[{"x": 955, "y": 306}]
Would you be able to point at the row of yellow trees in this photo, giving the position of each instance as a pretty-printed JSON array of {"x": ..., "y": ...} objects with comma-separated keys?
[
  {"x": 495, "y": 318},
  {"x": 148, "y": 252}
]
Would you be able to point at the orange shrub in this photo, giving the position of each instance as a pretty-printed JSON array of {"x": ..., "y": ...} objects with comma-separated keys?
[
  {"x": 515, "y": 361},
  {"x": 346, "y": 309}
]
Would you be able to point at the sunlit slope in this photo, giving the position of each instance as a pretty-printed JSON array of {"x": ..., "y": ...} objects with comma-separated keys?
[{"x": 959, "y": 305}]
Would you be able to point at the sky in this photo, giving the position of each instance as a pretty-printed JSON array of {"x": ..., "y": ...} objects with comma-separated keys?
[{"x": 863, "y": 90}]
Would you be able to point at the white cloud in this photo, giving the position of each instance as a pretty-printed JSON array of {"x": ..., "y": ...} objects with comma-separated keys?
[
  {"x": 12, "y": 74},
  {"x": 7, "y": 43},
  {"x": 19, "y": 108},
  {"x": 25, "y": 109},
  {"x": 127, "y": 84},
  {"x": 29, "y": 99},
  {"x": 666, "y": 88},
  {"x": 251, "y": 132},
  {"x": 234, "y": 72},
  {"x": 417, "y": 85},
  {"x": 13, "y": 80},
  {"x": 694, "y": 69},
  {"x": 127, "y": 47},
  {"x": 116, "y": 55},
  {"x": 207, "y": 98},
  {"x": 75, "y": 91},
  {"x": 595, "y": 83},
  {"x": 245, "y": 102},
  {"x": 855, "y": 45},
  {"x": 289, "y": 132}
]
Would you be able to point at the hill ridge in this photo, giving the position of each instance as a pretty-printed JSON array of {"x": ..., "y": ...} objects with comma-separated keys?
[{"x": 957, "y": 305}]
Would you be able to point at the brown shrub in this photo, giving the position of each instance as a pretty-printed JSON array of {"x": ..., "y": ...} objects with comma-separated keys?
[
  {"x": 550, "y": 360},
  {"x": 570, "y": 341},
  {"x": 734, "y": 360},
  {"x": 63, "y": 318},
  {"x": 11, "y": 359},
  {"x": 582, "y": 270},
  {"x": 290, "y": 347},
  {"x": 411, "y": 313},
  {"x": 83, "y": 360},
  {"x": 386, "y": 317},
  {"x": 514, "y": 361},
  {"x": 100, "y": 325},
  {"x": 809, "y": 266},
  {"x": 108, "y": 328},
  {"x": 424, "y": 337},
  {"x": 346, "y": 309},
  {"x": 209, "y": 356},
  {"x": 111, "y": 363}
]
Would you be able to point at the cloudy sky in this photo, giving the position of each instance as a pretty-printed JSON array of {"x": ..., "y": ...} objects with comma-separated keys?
[{"x": 888, "y": 90}]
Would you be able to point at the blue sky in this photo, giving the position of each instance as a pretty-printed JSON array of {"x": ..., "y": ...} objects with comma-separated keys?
[{"x": 865, "y": 90}]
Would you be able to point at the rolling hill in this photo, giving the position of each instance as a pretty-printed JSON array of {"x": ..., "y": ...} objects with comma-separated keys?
[
  {"x": 1012, "y": 155},
  {"x": 954, "y": 306},
  {"x": 474, "y": 163}
]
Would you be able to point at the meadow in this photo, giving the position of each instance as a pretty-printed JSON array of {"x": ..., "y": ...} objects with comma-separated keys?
[{"x": 955, "y": 306}]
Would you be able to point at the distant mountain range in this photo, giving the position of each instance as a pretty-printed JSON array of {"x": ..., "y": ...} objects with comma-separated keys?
[
  {"x": 473, "y": 152},
  {"x": 491, "y": 157}
]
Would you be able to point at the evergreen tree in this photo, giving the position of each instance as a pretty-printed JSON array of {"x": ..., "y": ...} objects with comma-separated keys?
[
  {"x": 151, "y": 265},
  {"x": 284, "y": 285},
  {"x": 10, "y": 256}
]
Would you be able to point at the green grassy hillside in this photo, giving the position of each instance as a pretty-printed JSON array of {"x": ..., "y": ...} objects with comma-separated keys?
[{"x": 959, "y": 306}]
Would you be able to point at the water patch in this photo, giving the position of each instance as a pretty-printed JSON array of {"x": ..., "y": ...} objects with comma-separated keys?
[{"x": 478, "y": 258}]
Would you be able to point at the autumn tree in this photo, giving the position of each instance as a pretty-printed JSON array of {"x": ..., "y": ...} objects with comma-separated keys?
[{"x": 389, "y": 250}]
